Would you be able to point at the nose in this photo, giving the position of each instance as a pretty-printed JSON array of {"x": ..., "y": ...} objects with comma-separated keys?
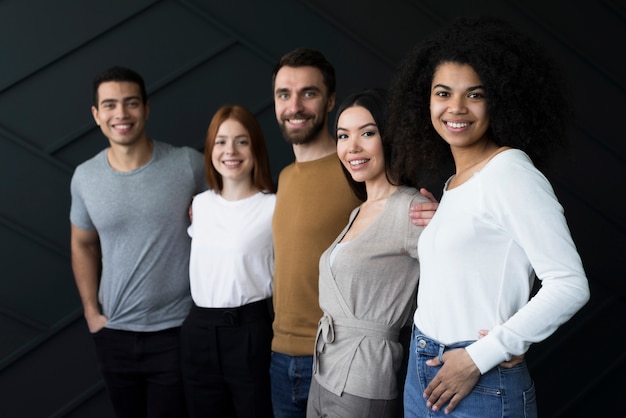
[
  {"x": 457, "y": 105},
  {"x": 230, "y": 147},
  {"x": 353, "y": 146},
  {"x": 121, "y": 112},
  {"x": 295, "y": 105}
]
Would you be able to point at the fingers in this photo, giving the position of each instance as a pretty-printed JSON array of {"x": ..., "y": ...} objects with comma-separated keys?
[
  {"x": 426, "y": 208},
  {"x": 428, "y": 194},
  {"x": 96, "y": 323},
  {"x": 515, "y": 360},
  {"x": 436, "y": 393},
  {"x": 434, "y": 362},
  {"x": 420, "y": 221},
  {"x": 438, "y": 398},
  {"x": 453, "y": 382},
  {"x": 454, "y": 401},
  {"x": 441, "y": 396},
  {"x": 422, "y": 213}
]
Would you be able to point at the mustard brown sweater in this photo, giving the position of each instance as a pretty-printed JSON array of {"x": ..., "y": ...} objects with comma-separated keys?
[{"x": 313, "y": 204}]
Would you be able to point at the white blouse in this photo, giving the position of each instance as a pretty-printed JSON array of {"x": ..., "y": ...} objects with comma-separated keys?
[{"x": 480, "y": 253}]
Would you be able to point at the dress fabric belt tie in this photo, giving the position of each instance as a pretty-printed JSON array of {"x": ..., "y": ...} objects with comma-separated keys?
[{"x": 329, "y": 329}]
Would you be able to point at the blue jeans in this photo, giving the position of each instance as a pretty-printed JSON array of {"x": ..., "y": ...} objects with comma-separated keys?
[
  {"x": 501, "y": 392},
  {"x": 291, "y": 381}
]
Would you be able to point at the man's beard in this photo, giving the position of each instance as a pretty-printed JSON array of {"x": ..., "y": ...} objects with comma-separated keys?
[{"x": 304, "y": 136}]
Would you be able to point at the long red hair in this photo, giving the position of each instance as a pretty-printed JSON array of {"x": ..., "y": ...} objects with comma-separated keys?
[{"x": 261, "y": 173}]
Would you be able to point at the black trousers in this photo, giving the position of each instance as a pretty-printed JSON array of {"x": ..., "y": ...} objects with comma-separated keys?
[
  {"x": 225, "y": 361},
  {"x": 141, "y": 371}
]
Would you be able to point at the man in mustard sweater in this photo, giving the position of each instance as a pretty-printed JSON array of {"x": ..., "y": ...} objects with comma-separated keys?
[{"x": 312, "y": 206}]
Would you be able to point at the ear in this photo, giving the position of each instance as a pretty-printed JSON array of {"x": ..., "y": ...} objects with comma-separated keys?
[
  {"x": 94, "y": 113},
  {"x": 331, "y": 103},
  {"x": 147, "y": 109}
]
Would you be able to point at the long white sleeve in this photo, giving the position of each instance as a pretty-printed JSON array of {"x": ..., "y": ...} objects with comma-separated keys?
[{"x": 480, "y": 253}]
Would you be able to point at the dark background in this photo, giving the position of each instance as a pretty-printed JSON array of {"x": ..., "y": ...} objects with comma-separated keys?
[{"x": 198, "y": 55}]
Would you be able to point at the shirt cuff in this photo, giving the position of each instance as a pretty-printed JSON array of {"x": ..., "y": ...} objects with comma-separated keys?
[{"x": 487, "y": 353}]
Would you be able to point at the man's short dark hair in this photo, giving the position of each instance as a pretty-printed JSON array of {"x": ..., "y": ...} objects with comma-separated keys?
[
  {"x": 306, "y": 57},
  {"x": 119, "y": 74}
]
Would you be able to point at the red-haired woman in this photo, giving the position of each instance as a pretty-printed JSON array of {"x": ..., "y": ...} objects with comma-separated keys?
[{"x": 227, "y": 335}]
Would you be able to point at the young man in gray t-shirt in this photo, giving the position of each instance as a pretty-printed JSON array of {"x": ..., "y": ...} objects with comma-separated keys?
[{"x": 130, "y": 249}]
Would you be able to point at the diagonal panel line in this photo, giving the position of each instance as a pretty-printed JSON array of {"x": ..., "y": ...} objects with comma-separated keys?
[
  {"x": 575, "y": 51},
  {"x": 32, "y": 236},
  {"x": 67, "y": 53},
  {"x": 613, "y": 8},
  {"x": 37, "y": 152},
  {"x": 42, "y": 338},
  {"x": 153, "y": 89},
  {"x": 350, "y": 34},
  {"x": 80, "y": 399},
  {"x": 262, "y": 53}
]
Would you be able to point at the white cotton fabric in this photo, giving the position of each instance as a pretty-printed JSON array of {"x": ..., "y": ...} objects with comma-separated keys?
[
  {"x": 232, "y": 254},
  {"x": 478, "y": 256}
]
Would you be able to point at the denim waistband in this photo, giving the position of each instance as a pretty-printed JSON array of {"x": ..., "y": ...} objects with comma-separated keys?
[{"x": 430, "y": 347}]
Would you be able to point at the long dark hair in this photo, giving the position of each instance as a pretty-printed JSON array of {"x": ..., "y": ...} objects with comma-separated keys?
[{"x": 375, "y": 101}]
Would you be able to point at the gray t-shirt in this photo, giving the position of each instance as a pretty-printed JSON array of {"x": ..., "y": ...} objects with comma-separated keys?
[{"x": 141, "y": 218}]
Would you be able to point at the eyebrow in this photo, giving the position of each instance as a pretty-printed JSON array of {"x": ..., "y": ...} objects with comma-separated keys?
[
  {"x": 306, "y": 88},
  {"x": 472, "y": 88},
  {"x": 125, "y": 99},
  {"x": 339, "y": 128},
  {"x": 237, "y": 136}
]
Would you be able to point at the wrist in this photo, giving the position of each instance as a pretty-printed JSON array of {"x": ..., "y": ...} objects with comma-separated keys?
[{"x": 91, "y": 313}]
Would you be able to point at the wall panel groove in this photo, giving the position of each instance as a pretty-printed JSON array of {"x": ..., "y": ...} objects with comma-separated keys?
[{"x": 197, "y": 55}]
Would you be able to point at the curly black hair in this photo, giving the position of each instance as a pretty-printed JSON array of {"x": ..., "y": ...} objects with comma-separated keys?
[{"x": 525, "y": 95}]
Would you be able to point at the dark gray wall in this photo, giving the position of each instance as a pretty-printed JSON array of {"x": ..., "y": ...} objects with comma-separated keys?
[{"x": 198, "y": 55}]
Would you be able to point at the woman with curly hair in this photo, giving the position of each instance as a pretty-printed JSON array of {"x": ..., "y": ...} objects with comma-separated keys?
[{"x": 486, "y": 96}]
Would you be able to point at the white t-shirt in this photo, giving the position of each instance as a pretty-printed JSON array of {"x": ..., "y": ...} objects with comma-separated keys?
[
  {"x": 232, "y": 254},
  {"x": 478, "y": 255}
]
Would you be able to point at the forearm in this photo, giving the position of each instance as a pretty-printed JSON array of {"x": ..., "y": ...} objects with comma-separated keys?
[{"x": 86, "y": 269}]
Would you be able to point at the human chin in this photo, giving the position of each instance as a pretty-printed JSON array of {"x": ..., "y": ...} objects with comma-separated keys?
[{"x": 302, "y": 136}]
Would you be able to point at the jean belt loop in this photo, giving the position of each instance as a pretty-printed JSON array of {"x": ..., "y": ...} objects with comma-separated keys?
[{"x": 441, "y": 348}]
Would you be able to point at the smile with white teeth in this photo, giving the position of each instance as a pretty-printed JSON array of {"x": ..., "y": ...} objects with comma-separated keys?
[
  {"x": 297, "y": 121},
  {"x": 357, "y": 162},
  {"x": 231, "y": 162},
  {"x": 125, "y": 126},
  {"x": 458, "y": 125}
]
